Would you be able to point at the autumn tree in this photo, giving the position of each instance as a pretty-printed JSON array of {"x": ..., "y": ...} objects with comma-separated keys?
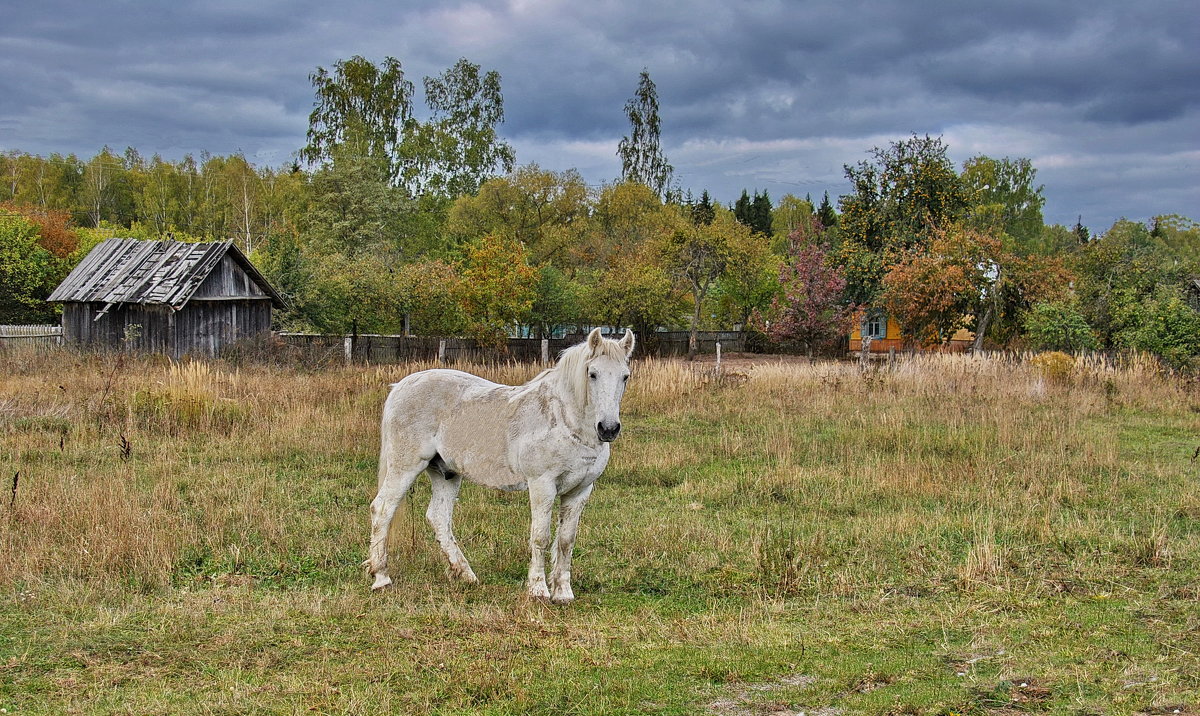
[
  {"x": 54, "y": 231},
  {"x": 498, "y": 287},
  {"x": 790, "y": 214},
  {"x": 934, "y": 292},
  {"x": 750, "y": 282},
  {"x": 899, "y": 200},
  {"x": 810, "y": 310},
  {"x": 634, "y": 291},
  {"x": 625, "y": 216},
  {"x": 544, "y": 210},
  {"x": 700, "y": 255},
  {"x": 428, "y": 294},
  {"x": 641, "y": 154}
]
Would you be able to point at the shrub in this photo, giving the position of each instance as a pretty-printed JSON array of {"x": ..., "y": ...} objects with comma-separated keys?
[
  {"x": 1165, "y": 325},
  {"x": 1058, "y": 326},
  {"x": 1055, "y": 367}
]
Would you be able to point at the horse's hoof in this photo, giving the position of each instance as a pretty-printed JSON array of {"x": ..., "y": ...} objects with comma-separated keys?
[
  {"x": 464, "y": 575},
  {"x": 381, "y": 581},
  {"x": 538, "y": 595},
  {"x": 562, "y": 599}
]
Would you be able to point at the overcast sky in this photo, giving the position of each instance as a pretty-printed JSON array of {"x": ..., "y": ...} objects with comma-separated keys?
[{"x": 1102, "y": 95}]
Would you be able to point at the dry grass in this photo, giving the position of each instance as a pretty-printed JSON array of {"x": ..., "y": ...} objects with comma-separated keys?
[{"x": 803, "y": 518}]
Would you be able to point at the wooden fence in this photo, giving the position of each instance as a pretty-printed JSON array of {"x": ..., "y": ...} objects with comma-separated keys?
[
  {"x": 372, "y": 348},
  {"x": 45, "y": 336}
]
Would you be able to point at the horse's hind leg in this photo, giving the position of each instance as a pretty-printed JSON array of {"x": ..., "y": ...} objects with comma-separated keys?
[
  {"x": 441, "y": 517},
  {"x": 396, "y": 476}
]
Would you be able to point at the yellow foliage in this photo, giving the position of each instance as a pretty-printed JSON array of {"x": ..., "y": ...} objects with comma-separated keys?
[{"x": 1055, "y": 366}]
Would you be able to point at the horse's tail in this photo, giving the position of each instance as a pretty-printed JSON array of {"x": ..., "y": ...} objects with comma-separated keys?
[{"x": 386, "y": 430}]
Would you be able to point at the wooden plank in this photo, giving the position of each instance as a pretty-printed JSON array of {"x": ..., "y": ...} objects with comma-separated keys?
[{"x": 109, "y": 292}]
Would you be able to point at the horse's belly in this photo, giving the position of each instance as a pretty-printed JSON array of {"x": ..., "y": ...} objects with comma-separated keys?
[
  {"x": 481, "y": 458},
  {"x": 489, "y": 473}
]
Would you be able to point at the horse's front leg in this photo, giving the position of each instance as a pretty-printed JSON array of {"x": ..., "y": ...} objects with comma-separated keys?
[
  {"x": 542, "y": 492},
  {"x": 569, "y": 510}
]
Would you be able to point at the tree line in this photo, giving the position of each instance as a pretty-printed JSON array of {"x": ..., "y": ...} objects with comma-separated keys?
[{"x": 386, "y": 223}]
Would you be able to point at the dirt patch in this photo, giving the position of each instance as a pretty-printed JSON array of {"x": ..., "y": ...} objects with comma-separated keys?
[{"x": 745, "y": 704}]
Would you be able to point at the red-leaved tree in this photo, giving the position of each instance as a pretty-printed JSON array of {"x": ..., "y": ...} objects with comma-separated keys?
[{"x": 811, "y": 311}]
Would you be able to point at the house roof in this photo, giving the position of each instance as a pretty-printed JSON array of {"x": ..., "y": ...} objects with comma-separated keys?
[{"x": 151, "y": 272}]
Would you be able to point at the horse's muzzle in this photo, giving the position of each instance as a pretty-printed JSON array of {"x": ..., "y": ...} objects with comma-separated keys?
[{"x": 607, "y": 432}]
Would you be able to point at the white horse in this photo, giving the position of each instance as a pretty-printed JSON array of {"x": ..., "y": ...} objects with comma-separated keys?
[{"x": 549, "y": 436}]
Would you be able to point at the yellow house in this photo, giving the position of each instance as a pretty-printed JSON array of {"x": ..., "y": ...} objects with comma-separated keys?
[{"x": 884, "y": 332}]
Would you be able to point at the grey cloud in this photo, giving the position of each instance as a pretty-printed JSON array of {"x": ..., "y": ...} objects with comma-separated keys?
[{"x": 766, "y": 94}]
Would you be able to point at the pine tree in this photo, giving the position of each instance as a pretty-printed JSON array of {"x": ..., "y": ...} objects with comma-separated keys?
[
  {"x": 760, "y": 213},
  {"x": 1081, "y": 231},
  {"x": 703, "y": 211},
  {"x": 741, "y": 208},
  {"x": 826, "y": 213}
]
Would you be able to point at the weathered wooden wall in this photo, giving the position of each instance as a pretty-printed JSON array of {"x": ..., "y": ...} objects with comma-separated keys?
[
  {"x": 228, "y": 281},
  {"x": 135, "y": 327},
  {"x": 205, "y": 327}
]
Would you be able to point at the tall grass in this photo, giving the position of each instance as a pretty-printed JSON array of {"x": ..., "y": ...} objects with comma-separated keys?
[{"x": 971, "y": 483}]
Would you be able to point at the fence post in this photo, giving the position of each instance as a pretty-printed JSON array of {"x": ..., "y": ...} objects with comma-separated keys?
[
  {"x": 348, "y": 348},
  {"x": 545, "y": 351},
  {"x": 442, "y": 351},
  {"x": 718, "y": 356}
]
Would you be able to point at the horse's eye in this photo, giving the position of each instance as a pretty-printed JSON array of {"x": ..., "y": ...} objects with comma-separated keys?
[
  {"x": 626, "y": 379},
  {"x": 592, "y": 376}
]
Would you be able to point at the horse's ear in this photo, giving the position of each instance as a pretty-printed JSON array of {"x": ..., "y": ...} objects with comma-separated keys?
[
  {"x": 627, "y": 342},
  {"x": 593, "y": 340}
]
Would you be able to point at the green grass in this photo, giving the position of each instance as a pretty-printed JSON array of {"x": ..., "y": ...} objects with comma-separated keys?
[{"x": 947, "y": 537}]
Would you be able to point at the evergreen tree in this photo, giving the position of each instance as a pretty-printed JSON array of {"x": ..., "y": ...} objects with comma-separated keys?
[
  {"x": 760, "y": 213},
  {"x": 826, "y": 213},
  {"x": 741, "y": 208},
  {"x": 1081, "y": 231},
  {"x": 703, "y": 211}
]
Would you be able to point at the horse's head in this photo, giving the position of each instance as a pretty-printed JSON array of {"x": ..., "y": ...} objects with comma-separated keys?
[{"x": 607, "y": 373}]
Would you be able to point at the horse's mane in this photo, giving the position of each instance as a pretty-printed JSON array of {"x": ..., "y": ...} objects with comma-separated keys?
[{"x": 571, "y": 369}]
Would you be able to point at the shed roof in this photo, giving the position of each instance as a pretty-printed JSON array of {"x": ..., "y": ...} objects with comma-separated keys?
[{"x": 151, "y": 272}]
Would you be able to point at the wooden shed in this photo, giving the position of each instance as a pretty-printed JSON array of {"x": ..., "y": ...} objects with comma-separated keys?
[{"x": 165, "y": 297}]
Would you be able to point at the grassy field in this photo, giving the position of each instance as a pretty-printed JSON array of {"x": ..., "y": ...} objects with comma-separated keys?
[{"x": 946, "y": 535}]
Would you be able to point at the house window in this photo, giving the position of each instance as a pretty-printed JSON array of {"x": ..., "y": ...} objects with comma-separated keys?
[{"x": 875, "y": 326}]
